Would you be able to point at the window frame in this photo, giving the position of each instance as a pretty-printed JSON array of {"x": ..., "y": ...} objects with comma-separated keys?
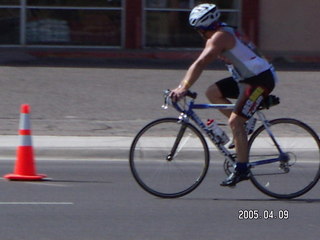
[
  {"x": 191, "y": 5},
  {"x": 23, "y": 7}
]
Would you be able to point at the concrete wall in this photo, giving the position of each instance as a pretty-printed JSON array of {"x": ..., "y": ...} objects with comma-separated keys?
[{"x": 290, "y": 26}]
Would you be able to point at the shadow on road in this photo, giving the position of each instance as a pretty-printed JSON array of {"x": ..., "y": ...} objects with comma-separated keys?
[{"x": 298, "y": 200}]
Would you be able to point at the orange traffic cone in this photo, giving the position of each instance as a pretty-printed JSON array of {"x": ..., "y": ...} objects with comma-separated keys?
[{"x": 25, "y": 169}]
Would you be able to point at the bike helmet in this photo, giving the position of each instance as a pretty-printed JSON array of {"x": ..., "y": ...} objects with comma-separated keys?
[{"x": 203, "y": 15}]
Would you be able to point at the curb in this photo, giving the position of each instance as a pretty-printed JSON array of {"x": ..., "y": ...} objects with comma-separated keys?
[
  {"x": 69, "y": 147},
  {"x": 90, "y": 148}
]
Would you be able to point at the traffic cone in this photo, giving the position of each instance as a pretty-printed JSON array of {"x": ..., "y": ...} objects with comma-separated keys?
[{"x": 25, "y": 169}]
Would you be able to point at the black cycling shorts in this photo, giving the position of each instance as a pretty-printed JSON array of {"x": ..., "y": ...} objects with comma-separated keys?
[{"x": 248, "y": 100}]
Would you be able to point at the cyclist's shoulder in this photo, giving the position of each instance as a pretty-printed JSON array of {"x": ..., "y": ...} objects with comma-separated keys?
[{"x": 222, "y": 38}]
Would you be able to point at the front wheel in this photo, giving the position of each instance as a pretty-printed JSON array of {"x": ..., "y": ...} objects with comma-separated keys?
[
  {"x": 299, "y": 168},
  {"x": 169, "y": 158}
]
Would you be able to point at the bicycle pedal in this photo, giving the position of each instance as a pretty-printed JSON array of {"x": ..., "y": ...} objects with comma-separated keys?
[{"x": 231, "y": 145}]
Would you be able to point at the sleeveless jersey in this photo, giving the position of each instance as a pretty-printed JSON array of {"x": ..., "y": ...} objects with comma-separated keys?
[{"x": 245, "y": 62}]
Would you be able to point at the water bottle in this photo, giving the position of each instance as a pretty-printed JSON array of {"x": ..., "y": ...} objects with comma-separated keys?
[{"x": 213, "y": 126}]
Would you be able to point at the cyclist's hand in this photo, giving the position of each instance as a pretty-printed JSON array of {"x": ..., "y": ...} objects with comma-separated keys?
[{"x": 178, "y": 93}]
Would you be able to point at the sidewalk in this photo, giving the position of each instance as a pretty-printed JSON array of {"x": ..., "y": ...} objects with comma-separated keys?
[
  {"x": 151, "y": 58},
  {"x": 100, "y": 148},
  {"x": 69, "y": 147},
  {"x": 78, "y": 147},
  {"x": 81, "y": 148}
]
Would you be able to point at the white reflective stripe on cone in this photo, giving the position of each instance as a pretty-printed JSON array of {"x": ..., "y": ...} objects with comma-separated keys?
[
  {"x": 25, "y": 121},
  {"x": 25, "y": 140}
]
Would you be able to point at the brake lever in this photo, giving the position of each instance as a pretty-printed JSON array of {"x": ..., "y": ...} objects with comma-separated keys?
[{"x": 166, "y": 96}]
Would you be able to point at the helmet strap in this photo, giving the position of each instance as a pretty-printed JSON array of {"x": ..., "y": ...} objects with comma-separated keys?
[
  {"x": 215, "y": 26},
  {"x": 212, "y": 27}
]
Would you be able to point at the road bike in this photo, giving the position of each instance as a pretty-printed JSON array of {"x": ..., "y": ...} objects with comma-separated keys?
[{"x": 169, "y": 157}]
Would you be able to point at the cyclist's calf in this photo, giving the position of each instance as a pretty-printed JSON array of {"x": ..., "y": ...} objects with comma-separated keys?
[{"x": 237, "y": 125}]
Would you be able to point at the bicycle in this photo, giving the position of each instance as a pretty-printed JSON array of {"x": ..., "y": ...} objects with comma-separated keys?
[{"x": 169, "y": 157}]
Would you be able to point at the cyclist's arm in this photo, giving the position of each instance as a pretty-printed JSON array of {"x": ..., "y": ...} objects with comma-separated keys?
[
  {"x": 214, "y": 47},
  {"x": 211, "y": 51}
]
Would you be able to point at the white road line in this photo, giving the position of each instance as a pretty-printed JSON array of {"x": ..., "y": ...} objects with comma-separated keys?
[
  {"x": 49, "y": 184},
  {"x": 36, "y": 203}
]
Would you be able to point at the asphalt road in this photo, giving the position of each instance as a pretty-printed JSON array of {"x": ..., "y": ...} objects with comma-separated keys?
[
  {"x": 100, "y": 200},
  {"x": 91, "y": 199}
]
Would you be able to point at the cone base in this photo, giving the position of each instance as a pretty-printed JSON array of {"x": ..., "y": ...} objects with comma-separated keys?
[{"x": 18, "y": 177}]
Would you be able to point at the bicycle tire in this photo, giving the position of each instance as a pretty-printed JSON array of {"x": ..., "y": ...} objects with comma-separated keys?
[
  {"x": 290, "y": 179},
  {"x": 168, "y": 178}
]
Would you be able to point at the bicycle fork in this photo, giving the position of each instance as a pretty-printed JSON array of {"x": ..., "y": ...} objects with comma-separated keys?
[{"x": 173, "y": 151}]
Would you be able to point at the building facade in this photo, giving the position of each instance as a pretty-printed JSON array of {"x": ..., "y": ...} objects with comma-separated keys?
[
  {"x": 289, "y": 27},
  {"x": 145, "y": 24}
]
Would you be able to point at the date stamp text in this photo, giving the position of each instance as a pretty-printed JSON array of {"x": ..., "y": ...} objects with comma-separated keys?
[{"x": 254, "y": 214}]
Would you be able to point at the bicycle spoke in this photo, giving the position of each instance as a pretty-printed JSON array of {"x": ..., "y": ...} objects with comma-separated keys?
[
  {"x": 186, "y": 139},
  {"x": 297, "y": 171},
  {"x": 165, "y": 176}
]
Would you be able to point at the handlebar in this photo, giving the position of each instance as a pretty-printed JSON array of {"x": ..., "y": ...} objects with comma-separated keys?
[
  {"x": 190, "y": 94},
  {"x": 168, "y": 100}
]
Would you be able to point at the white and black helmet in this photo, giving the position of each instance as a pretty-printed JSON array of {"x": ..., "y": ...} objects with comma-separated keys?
[{"x": 203, "y": 15}]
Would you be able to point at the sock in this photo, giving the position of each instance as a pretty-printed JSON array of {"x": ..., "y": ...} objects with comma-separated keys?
[{"x": 241, "y": 167}]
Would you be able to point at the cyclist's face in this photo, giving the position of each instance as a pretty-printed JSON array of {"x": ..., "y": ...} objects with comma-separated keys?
[{"x": 204, "y": 34}]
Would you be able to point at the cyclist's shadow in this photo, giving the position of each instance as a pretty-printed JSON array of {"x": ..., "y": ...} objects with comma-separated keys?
[
  {"x": 302, "y": 200},
  {"x": 297, "y": 200}
]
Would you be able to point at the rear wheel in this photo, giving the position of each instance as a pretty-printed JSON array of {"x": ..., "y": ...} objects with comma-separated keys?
[{"x": 298, "y": 171}]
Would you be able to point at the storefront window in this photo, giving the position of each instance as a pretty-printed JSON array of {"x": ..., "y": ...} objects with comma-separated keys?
[
  {"x": 163, "y": 23},
  {"x": 168, "y": 4},
  {"x": 73, "y": 27},
  {"x": 223, "y": 4},
  {"x": 9, "y": 26},
  {"x": 78, "y": 3},
  {"x": 168, "y": 29},
  {"x": 166, "y": 21},
  {"x": 9, "y": 2},
  {"x": 61, "y": 22}
]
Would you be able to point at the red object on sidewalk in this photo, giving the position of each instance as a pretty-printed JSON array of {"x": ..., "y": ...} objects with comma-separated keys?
[{"x": 25, "y": 169}]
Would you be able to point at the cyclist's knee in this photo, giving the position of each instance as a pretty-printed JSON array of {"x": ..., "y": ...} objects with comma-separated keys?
[{"x": 236, "y": 123}]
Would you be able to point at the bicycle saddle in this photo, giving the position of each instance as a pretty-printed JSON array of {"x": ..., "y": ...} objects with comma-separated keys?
[{"x": 269, "y": 102}]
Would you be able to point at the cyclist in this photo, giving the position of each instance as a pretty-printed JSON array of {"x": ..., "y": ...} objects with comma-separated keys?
[{"x": 252, "y": 78}]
